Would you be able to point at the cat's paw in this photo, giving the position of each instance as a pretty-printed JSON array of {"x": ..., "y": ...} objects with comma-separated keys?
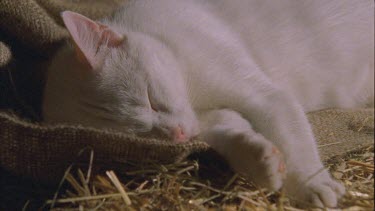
[
  {"x": 260, "y": 161},
  {"x": 319, "y": 192}
]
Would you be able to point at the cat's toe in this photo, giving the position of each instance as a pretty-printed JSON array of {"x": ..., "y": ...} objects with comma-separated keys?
[
  {"x": 258, "y": 160},
  {"x": 320, "y": 193},
  {"x": 338, "y": 188},
  {"x": 268, "y": 167},
  {"x": 323, "y": 196},
  {"x": 274, "y": 170}
]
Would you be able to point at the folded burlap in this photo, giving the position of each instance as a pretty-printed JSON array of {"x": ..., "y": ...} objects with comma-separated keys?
[
  {"x": 43, "y": 152},
  {"x": 37, "y": 23},
  {"x": 5, "y": 54}
]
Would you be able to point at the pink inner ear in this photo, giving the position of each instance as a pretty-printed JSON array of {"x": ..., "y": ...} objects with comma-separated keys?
[
  {"x": 89, "y": 36},
  {"x": 112, "y": 38}
]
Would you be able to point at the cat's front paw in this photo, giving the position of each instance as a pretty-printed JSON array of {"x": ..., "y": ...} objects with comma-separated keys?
[
  {"x": 260, "y": 161},
  {"x": 320, "y": 191}
]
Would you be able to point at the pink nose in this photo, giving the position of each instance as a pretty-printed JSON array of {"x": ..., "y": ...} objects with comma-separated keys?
[{"x": 178, "y": 134}]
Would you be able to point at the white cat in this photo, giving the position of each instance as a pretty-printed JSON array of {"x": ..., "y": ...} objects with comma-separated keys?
[{"x": 241, "y": 74}]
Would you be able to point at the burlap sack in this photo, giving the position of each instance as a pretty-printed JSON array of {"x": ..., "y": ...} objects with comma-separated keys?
[
  {"x": 37, "y": 23},
  {"x": 5, "y": 54},
  {"x": 43, "y": 152}
]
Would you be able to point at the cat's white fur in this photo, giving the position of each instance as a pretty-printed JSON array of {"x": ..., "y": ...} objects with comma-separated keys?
[{"x": 241, "y": 74}]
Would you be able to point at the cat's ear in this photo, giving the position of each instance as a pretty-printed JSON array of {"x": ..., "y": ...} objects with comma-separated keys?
[{"x": 89, "y": 36}]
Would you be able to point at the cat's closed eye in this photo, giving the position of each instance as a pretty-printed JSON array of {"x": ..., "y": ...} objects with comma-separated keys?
[
  {"x": 152, "y": 105},
  {"x": 155, "y": 106}
]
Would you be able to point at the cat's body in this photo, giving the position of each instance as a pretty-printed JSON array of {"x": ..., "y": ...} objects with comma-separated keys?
[{"x": 241, "y": 74}]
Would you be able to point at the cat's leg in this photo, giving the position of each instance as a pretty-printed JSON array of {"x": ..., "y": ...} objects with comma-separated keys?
[
  {"x": 281, "y": 119},
  {"x": 247, "y": 152}
]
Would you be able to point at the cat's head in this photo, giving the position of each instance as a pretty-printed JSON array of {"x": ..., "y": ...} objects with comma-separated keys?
[{"x": 129, "y": 81}]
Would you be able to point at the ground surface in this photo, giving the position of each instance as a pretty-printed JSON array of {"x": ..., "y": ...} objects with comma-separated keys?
[{"x": 201, "y": 185}]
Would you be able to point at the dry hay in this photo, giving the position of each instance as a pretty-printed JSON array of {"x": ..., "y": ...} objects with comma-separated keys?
[{"x": 200, "y": 185}]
